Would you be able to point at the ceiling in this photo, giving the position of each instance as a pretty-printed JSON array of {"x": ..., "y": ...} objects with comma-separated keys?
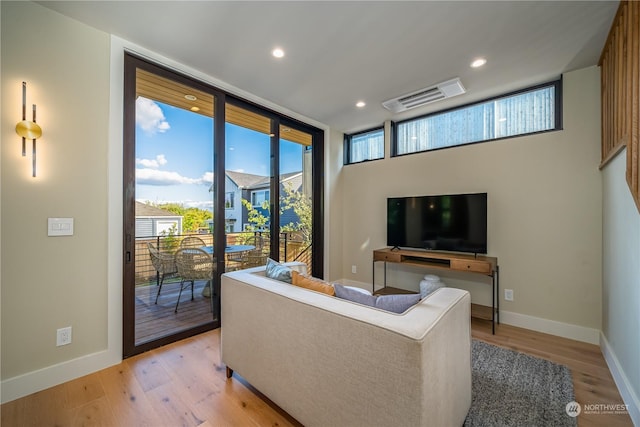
[{"x": 341, "y": 52}]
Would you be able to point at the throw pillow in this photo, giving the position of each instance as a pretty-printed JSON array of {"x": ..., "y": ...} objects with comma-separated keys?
[
  {"x": 394, "y": 303},
  {"x": 312, "y": 283},
  {"x": 277, "y": 271},
  {"x": 349, "y": 294},
  {"x": 356, "y": 289},
  {"x": 397, "y": 303}
]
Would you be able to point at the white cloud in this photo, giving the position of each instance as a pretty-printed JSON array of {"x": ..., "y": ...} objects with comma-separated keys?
[
  {"x": 156, "y": 177},
  {"x": 150, "y": 176},
  {"x": 160, "y": 160},
  {"x": 207, "y": 178},
  {"x": 149, "y": 116}
]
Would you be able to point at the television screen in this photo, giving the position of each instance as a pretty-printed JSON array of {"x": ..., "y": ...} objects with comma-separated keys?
[{"x": 456, "y": 222}]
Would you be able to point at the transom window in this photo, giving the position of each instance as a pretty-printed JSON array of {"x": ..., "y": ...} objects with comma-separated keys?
[
  {"x": 363, "y": 146},
  {"x": 532, "y": 110}
]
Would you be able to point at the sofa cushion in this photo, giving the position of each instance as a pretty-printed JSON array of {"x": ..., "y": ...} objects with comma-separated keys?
[
  {"x": 397, "y": 303},
  {"x": 277, "y": 271},
  {"x": 394, "y": 303},
  {"x": 350, "y": 294},
  {"x": 312, "y": 283}
]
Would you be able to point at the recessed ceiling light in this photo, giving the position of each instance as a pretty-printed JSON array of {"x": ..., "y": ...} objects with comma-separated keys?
[
  {"x": 190, "y": 97},
  {"x": 277, "y": 52},
  {"x": 360, "y": 104},
  {"x": 194, "y": 109},
  {"x": 479, "y": 62}
]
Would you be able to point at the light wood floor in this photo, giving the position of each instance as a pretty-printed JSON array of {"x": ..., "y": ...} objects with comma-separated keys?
[{"x": 184, "y": 384}]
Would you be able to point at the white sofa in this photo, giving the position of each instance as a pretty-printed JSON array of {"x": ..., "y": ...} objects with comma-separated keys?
[{"x": 331, "y": 362}]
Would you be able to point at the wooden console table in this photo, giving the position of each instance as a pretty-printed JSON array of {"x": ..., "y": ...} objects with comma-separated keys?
[{"x": 484, "y": 265}]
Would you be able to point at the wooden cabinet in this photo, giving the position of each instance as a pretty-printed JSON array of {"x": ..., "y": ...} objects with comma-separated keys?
[
  {"x": 484, "y": 265},
  {"x": 471, "y": 266}
]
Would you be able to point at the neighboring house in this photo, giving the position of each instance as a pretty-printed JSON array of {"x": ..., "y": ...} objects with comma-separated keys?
[
  {"x": 152, "y": 221},
  {"x": 255, "y": 189}
]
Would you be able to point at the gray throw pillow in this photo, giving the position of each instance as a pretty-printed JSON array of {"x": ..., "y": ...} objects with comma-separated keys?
[
  {"x": 394, "y": 303},
  {"x": 277, "y": 271},
  {"x": 349, "y": 294},
  {"x": 397, "y": 303}
]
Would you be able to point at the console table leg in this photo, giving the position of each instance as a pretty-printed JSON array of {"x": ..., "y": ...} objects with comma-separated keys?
[
  {"x": 493, "y": 304},
  {"x": 498, "y": 290},
  {"x": 373, "y": 275}
]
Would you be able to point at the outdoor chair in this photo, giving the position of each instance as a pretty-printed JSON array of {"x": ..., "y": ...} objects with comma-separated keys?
[
  {"x": 194, "y": 264},
  {"x": 233, "y": 261},
  {"x": 192, "y": 242},
  {"x": 164, "y": 263},
  {"x": 259, "y": 242},
  {"x": 254, "y": 258}
]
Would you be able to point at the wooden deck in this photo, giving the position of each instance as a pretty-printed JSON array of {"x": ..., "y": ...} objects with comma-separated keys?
[{"x": 157, "y": 320}]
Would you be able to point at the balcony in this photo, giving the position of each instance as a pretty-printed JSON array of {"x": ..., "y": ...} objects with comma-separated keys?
[{"x": 153, "y": 320}]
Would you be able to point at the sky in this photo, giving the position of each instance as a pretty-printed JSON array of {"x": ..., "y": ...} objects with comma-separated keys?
[{"x": 174, "y": 154}]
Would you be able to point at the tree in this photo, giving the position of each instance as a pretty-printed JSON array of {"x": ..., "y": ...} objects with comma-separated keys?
[
  {"x": 192, "y": 218},
  {"x": 289, "y": 199},
  {"x": 301, "y": 205}
]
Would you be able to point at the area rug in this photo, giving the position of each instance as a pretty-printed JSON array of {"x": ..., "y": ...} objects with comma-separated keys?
[{"x": 514, "y": 389}]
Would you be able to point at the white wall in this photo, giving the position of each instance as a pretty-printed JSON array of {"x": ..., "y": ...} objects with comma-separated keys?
[
  {"x": 544, "y": 208},
  {"x": 621, "y": 283},
  {"x": 53, "y": 282}
]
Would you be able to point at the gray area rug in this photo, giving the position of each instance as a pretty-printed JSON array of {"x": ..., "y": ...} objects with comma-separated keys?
[{"x": 515, "y": 389}]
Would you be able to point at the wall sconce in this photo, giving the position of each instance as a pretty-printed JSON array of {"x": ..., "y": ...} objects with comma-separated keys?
[{"x": 28, "y": 129}]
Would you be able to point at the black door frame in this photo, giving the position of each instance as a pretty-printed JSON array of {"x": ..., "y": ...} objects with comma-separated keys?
[{"x": 131, "y": 63}]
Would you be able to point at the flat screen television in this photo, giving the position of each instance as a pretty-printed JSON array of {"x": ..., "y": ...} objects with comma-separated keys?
[{"x": 451, "y": 222}]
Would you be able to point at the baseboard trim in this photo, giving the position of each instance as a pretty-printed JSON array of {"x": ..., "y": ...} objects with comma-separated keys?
[
  {"x": 627, "y": 393},
  {"x": 560, "y": 329},
  {"x": 41, "y": 379}
]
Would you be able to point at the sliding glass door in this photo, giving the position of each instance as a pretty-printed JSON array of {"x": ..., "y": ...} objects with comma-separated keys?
[
  {"x": 212, "y": 184},
  {"x": 170, "y": 272}
]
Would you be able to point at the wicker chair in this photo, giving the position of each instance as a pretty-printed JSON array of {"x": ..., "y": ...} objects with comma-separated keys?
[
  {"x": 164, "y": 263},
  {"x": 259, "y": 242},
  {"x": 254, "y": 258},
  {"x": 192, "y": 242},
  {"x": 194, "y": 264}
]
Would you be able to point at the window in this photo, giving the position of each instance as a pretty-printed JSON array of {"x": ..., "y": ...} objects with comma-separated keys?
[
  {"x": 367, "y": 145},
  {"x": 524, "y": 112},
  {"x": 228, "y": 200},
  {"x": 229, "y": 225},
  {"x": 259, "y": 197}
]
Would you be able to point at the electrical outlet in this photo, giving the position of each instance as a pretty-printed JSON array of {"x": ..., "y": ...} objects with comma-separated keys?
[
  {"x": 508, "y": 294},
  {"x": 354, "y": 269},
  {"x": 63, "y": 336}
]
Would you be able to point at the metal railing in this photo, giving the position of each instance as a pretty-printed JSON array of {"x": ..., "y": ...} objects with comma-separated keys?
[{"x": 292, "y": 248}]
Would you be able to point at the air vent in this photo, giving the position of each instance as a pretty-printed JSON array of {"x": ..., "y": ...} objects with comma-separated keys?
[{"x": 425, "y": 96}]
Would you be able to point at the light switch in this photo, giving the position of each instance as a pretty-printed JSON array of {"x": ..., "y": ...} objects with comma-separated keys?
[{"x": 60, "y": 227}]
